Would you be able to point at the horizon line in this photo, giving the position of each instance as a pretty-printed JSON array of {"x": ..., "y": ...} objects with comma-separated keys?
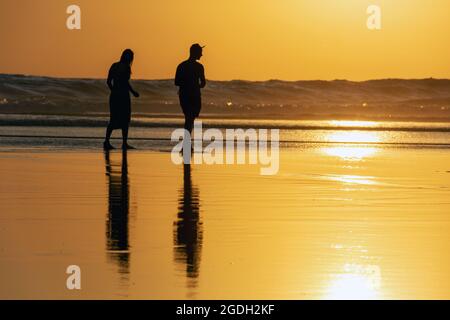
[{"x": 214, "y": 80}]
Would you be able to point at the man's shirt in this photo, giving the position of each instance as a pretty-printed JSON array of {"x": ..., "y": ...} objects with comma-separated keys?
[{"x": 190, "y": 76}]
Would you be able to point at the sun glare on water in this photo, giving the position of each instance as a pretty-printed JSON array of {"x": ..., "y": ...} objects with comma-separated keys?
[
  {"x": 347, "y": 123},
  {"x": 352, "y": 152},
  {"x": 354, "y": 137},
  {"x": 356, "y": 282}
]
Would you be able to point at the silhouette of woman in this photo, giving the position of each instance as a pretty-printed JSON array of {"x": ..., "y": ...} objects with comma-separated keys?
[{"x": 119, "y": 100}]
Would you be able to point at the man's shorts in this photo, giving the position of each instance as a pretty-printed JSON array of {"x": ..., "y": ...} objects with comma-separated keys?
[{"x": 191, "y": 104}]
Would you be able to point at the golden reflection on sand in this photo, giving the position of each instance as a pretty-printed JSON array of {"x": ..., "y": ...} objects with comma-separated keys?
[
  {"x": 350, "y": 153},
  {"x": 355, "y": 279},
  {"x": 353, "y": 179},
  {"x": 323, "y": 228}
]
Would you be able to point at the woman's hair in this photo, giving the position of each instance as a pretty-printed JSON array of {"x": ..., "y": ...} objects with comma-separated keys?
[{"x": 127, "y": 57}]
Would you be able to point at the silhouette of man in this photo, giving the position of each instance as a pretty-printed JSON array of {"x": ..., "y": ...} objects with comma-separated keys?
[{"x": 190, "y": 78}]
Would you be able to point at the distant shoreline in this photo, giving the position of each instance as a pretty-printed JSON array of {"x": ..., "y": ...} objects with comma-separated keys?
[{"x": 220, "y": 80}]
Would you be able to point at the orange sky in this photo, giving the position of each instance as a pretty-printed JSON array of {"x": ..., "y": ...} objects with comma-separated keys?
[{"x": 246, "y": 39}]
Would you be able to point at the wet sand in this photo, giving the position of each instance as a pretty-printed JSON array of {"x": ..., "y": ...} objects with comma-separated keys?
[{"x": 336, "y": 222}]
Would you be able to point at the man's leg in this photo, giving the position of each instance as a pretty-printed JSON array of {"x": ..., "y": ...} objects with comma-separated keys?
[
  {"x": 188, "y": 126},
  {"x": 188, "y": 122}
]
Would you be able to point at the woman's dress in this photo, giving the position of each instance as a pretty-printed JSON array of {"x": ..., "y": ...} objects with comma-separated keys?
[{"x": 119, "y": 100}]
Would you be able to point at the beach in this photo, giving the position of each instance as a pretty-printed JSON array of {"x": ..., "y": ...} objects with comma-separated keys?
[
  {"x": 224, "y": 156},
  {"x": 351, "y": 217}
]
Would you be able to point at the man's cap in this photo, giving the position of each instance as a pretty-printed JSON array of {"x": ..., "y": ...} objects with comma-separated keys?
[{"x": 196, "y": 46}]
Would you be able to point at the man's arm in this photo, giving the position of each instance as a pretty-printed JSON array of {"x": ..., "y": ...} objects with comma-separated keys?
[
  {"x": 109, "y": 82},
  {"x": 178, "y": 76},
  {"x": 202, "y": 78}
]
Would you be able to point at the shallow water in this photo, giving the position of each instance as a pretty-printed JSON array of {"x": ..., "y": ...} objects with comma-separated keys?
[
  {"x": 66, "y": 132},
  {"x": 337, "y": 221}
]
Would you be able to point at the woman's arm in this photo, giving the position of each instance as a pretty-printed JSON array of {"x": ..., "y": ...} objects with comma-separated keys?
[{"x": 135, "y": 93}]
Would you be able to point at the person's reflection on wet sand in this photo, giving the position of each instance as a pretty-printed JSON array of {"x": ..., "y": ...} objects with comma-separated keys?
[
  {"x": 188, "y": 235},
  {"x": 118, "y": 212}
]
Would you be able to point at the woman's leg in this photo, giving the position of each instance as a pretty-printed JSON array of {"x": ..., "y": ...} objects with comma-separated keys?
[
  {"x": 107, "y": 144},
  {"x": 109, "y": 131},
  {"x": 125, "y": 135},
  {"x": 125, "y": 144}
]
